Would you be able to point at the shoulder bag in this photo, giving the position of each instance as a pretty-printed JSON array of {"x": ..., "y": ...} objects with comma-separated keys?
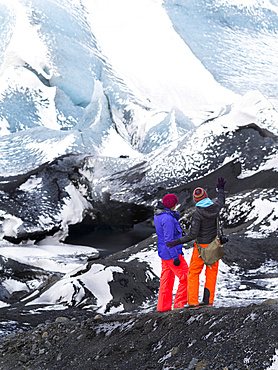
[{"x": 213, "y": 252}]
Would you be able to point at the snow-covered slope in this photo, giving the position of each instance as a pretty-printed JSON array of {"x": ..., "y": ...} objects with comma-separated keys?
[{"x": 65, "y": 191}]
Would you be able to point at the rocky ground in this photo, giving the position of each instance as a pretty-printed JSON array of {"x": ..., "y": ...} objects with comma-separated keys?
[
  {"x": 207, "y": 338},
  {"x": 226, "y": 338}
]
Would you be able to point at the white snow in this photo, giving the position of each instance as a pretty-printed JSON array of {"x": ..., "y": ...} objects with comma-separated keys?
[
  {"x": 141, "y": 44},
  {"x": 56, "y": 258},
  {"x": 115, "y": 146},
  {"x": 50, "y": 148},
  {"x": 251, "y": 3},
  {"x": 72, "y": 211},
  {"x": 3, "y": 304},
  {"x": 274, "y": 365},
  {"x": 9, "y": 226},
  {"x": 71, "y": 288},
  {"x": 32, "y": 184},
  {"x": 12, "y": 285},
  {"x": 4, "y": 126},
  {"x": 25, "y": 45}
]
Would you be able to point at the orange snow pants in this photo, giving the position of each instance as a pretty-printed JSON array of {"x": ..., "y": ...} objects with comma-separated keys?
[
  {"x": 195, "y": 268},
  {"x": 167, "y": 279}
]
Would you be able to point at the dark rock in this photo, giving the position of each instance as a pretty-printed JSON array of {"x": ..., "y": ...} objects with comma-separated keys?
[
  {"x": 208, "y": 338},
  {"x": 250, "y": 253}
]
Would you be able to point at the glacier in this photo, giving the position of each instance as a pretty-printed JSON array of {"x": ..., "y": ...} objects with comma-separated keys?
[
  {"x": 120, "y": 91},
  {"x": 45, "y": 88}
]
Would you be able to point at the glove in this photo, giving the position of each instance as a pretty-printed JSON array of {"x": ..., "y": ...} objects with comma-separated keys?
[
  {"x": 221, "y": 183},
  {"x": 177, "y": 262},
  {"x": 172, "y": 244}
]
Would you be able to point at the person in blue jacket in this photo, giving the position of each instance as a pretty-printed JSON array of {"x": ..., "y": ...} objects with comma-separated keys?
[{"x": 173, "y": 264}]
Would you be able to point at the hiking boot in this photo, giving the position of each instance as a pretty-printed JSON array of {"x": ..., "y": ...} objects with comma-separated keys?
[
  {"x": 192, "y": 306},
  {"x": 205, "y": 304},
  {"x": 180, "y": 308}
]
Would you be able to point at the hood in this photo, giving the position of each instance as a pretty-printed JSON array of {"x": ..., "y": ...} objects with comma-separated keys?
[
  {"x": 158, "y": 211},
  {"x": 160, "y": 208}
]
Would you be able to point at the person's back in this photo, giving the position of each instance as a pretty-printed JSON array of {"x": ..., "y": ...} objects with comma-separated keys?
[{"x": 204, "y": 220}]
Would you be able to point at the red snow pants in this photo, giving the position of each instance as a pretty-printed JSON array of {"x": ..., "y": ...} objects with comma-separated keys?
[
  {"x": 195, "y": 268},
  {"x": 167, "y": 279}
]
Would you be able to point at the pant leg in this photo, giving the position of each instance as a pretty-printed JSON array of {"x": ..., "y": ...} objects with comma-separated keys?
[
  {"x": 211, "y": 277},
  {"x": 181, "y": 272},
  {"x": 167, "y": 279},
  {"x": 195, "y": 267}
]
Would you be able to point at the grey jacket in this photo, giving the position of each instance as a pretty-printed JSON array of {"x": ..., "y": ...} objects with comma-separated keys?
[{"x": 204, "y": 222}]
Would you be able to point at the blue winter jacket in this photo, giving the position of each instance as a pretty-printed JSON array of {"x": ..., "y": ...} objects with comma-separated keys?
[{"x": 167, "y": 228}]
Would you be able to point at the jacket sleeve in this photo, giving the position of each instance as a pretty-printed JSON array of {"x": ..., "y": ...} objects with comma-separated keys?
[
  {"x": 169, "y": 228},
  {"x": 193, "y": 231},
  {"x": 221, "y": 198}
]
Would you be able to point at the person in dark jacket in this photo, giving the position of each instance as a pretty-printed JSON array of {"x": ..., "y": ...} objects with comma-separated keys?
[
  {"x": 204, "y": 230},
  {"x": 173, "y": 264}
]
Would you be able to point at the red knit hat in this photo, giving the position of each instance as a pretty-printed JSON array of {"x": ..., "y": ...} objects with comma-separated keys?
[
  {"x": 170, "y": 200},
  {"x": 199, "y": 194}
]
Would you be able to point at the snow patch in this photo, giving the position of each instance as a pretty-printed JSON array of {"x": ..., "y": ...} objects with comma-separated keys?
[
  {"x": 55, "y": 258},
  {"x": 71, "y": 288},
  {"x": 274, "y": 365},
  {"x": 12, "y": 285}
]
